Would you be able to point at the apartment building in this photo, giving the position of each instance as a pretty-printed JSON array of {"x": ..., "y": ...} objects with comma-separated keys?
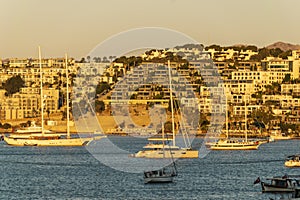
[
  {"x": 279, "y": 67},
  {"x": 290, "y": 89},
  {"x": 239, "y": 110},
  {"x": 239, "y": 86},
  {"x": 259, "y": 78}
]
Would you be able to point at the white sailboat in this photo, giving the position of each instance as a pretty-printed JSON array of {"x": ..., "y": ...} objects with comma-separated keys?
[
  {"x": 47, "y": 139},
  {"x": 234, "y": 144},
  {"x": 155, "y": 148}
]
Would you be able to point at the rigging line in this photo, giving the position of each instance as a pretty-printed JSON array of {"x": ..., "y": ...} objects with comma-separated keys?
[
  {"x": 173, "y": 162},
  {"x": 186, "y": 140}
]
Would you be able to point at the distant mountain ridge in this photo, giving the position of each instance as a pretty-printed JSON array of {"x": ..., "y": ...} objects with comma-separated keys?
[{"x": 284, "y": 46}]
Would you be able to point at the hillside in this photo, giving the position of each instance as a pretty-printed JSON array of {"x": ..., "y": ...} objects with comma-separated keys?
[{"x": 283, "y": 46}]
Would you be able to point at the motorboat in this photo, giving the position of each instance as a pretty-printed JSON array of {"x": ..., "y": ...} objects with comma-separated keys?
[
  {"x": 286, "y": 183},
  {"x": 292, "y": 161}
]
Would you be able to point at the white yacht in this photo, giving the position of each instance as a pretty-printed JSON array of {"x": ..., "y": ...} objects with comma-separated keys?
[{"x": 234, "y": 144}]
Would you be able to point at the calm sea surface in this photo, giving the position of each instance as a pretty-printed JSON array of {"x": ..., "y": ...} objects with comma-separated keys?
[{"x": 73, "y": 173}]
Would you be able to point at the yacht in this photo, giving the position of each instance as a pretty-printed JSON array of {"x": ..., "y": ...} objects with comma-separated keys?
[{"x": 234, "y": 144}]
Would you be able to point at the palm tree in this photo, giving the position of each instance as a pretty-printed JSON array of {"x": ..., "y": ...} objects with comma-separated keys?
[{"x": 88, "y": 58}]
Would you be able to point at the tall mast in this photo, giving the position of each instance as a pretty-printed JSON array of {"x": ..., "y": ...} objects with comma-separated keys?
[
  {"x": 226, "y": 116},
  {"x": 246, "y": 136},
  {"x": 41, "y": 88},
  {"x": 163, "y": 138},
  {"x": 171, "y": 99},
  {"x": 68, "y": 111}
]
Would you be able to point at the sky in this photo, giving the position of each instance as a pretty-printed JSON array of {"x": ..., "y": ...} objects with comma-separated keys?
[{"x": 77, "y": 26}]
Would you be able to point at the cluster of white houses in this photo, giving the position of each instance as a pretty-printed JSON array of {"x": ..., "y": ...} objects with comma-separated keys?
[{"x": 232, "y": 73}]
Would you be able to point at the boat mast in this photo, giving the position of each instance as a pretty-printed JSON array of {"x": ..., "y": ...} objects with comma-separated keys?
[
  {"x": 41, "y": 88},
  {"x": 246, "y": 136},
  {"x": 226, "y": 117},
  {"x": 68, "y": 112},
  {"x": 171, "y": 99},
  {"x": 163, "y": 138}
]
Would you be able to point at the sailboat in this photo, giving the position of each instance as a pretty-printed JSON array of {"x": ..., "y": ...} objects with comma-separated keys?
[
  {"x": 164, "y": 175},
  {"x": 156, "y": 145},
  {"x": 234, "y": 144},
  {"x": 43, "y": 138}
]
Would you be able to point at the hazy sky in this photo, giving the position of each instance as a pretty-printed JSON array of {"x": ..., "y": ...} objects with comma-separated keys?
[{"x": 77, "y": 26}]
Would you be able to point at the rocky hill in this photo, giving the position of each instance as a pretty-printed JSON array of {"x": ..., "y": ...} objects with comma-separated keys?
[{"x": 283, "y": 46}]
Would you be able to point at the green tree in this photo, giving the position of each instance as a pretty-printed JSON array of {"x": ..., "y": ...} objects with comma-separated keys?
[
  {"x": 99, "y": 106},
  {"x": 285, "y": 54},
  {"x": 101, "y": 87},
  {"x": 13, "y": 84},
  {"x": 275, "y": 52},
  {"x": 6, "y": 126},
  {"x": 168, "y": 127},
  {"x": 88, "y": 58},
  {"x": 287, "y": 78},
  {"x": 82, "y": 60},
  {"x": 262, "y": 116},
  {"x": 203, "y": 122}
]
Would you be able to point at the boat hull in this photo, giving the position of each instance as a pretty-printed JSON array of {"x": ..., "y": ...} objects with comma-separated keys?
[
  {"x": 274, "y": 138},
  {"x": 291, "y": 163},
  {"x": 249, "y": 147},
  {"x": 161, "y": 179},
  {"x": 271, "y": 188},
  {"x": 234, "y": 145},
  {"x": 50, "y": 142},
  {"x": 177, "y": 154}
]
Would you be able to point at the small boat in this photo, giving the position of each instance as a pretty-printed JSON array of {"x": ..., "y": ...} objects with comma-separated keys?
[
  {"x": 279, "y": 184},
  {"x": 163, "y": 175},
  {"x": 276, "y": 134},
  {"x": 292, "y": 161},
  {"x": 159, "y": 176}
]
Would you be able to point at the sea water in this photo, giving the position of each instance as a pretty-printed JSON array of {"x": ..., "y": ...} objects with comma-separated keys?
[{"x": 73, "y": 173}]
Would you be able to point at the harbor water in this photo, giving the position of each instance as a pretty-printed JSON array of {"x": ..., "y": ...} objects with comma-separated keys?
[{"x": 73, "y": 173}]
